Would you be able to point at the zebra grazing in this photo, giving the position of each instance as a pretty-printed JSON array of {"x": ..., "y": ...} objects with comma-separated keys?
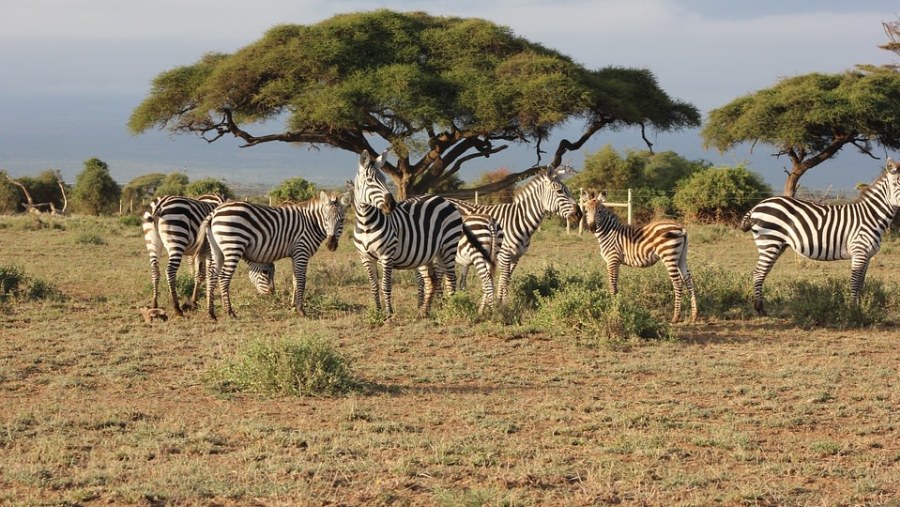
[
  {"x": 172, "y": 224},
  {"x": 263, "y": 234},
  {"x": 520, "y": 219},
  {"x": 421, "y": 233},
  {"x": 823, "y": 232},
  {"x": 488, "y": 234},
  {"x": 641, "y": 247}
]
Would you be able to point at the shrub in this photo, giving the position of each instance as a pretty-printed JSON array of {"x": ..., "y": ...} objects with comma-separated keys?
[
  {"x": 95, "y": 191},
  {"x": 15, "y": 284},
  {"x": 89, "y": 238},
  {"x": 293, "y": 189},
  {"x": 130, "y": 220},
  {"x": 208, "y": 186},
  {"x": 304, "y": 366},
  {"x": 720, "y": 194},
  {"x": 827, "y": 304},
  {"x": 11, "y": 278}
]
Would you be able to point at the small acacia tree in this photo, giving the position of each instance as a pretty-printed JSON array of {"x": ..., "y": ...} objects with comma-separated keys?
[
  {"x": 206, "y": 186},
  {"x": 504, "y": 195},
  {"x": 439, "y": 91},
  {"x": 293, "y": 189},
  {"x": 173, "y": 184},
  {"x": 95, "y": 190}
]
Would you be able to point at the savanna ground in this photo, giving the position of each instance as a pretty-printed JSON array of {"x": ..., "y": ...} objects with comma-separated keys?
[{"x": 99, "y": 408}]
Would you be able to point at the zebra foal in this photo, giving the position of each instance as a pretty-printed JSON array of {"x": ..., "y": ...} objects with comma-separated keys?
[
  {"x": 544, "y": 193},
  {"x": 641, "y": 246},
  {"x": 172, "y": 225},
  {"x": 824, "y": 232},
  {"x": 263, "y": 234}
]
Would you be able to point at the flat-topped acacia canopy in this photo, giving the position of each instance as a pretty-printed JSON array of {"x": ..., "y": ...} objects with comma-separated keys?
[{"x": 440, "y": 90}]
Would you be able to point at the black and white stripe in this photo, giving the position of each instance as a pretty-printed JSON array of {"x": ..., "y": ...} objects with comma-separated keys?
[
  {"x": 172, "y": 225},
  {"x": 545, "y": 193},
  {"x": 421, "y": 233},
  {"x": 824, "y": 232},
  {"x": 641, "y": 246},
  {"x": 264, "y": 234}
]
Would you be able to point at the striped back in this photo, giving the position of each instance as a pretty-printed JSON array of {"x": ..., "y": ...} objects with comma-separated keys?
[
  {"x": 487, "y": 232},
  {"x": 827, "y": 232},
  {"x": 173, "y": 221}
]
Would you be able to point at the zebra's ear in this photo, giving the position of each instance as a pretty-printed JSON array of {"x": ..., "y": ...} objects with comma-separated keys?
[
  {"x": 379, "y": 162},
  {"x": 345, "y": 198},
  {"x": 364, "y": 159},
  {"x": 323, "y": 197},
  {"x": 602, "y": 196},
  {"x": 892, "y": 166}
]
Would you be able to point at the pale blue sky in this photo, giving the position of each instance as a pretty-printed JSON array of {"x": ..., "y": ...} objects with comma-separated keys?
[{"x": 74, "y": 69}]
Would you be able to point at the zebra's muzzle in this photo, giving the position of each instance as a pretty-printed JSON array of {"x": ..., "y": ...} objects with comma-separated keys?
[
  {"x": 331, "y": 242},
  {"x": 389, "y": 204},
  {"x": 576, "y": 215}
]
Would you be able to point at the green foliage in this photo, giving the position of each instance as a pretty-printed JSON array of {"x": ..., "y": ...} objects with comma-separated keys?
[
  {"x": 140, "y": 190},
  {"x": 172, "y": 184},
  {"x": 407, "y": 77},
  {"x": 294, "y": 190},
  {"x": 294, "y": 366},
  {"x": 208, "y": 186},
  {"x": 43, "y": 189},
  {"x": 95, "y": 191},
  {"x": 130, "y": 220},
  {"x": 651, "y": 176},
  {"x": 89, "y": 238},
  {"x": 720, "y": 194},
  {"x": 812, "y": 116},
  {"x": 15, "y": 284},
  {"x": 827, "y": 304},
  {"x": 10, "y": 195}
]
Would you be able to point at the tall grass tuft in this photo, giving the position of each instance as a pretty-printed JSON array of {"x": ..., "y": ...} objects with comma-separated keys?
[
  {"x": 11, "y": 279},
  {"x": 15, "y": 284},
  {"x": 294, "y": 366},
  {"x": 828, "y": 304}
]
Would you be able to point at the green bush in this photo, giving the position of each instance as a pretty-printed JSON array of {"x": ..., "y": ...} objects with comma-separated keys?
[
  {"x": 15, "y": 284},
  {"x": 812, "y": 304},
  {"x": 293, "y": 189},
  {"x": 11, "y": 280},
  {"x": 89, "y": 238},
  {"x": 95, "y": 191},
  {"x": 295, "y": 366},
  {"x": 719, "y": 194},
  {"x": 130, "y": 220},
  {"x": 206, "y": 186}
]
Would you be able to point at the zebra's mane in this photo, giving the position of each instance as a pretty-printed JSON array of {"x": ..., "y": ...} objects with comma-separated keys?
[
  {"x": 527, "y": 188},
  {"x": 871, "y": 188}
]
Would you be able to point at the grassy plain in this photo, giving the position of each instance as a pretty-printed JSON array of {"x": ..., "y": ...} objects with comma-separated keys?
[{"x": 99, "y": 408}]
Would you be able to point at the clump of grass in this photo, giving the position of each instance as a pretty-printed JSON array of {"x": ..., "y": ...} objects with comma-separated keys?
[
  {"x": 827, "y": 303},
  {"x": 596, "y": 317},
  {"x": 15, "y": 284},
  {"x": 294, "y": 366},
  {"x": 89, "y": 238},
  {"x": 461, "y": 305},
  {"x": 130, "y": 220}
]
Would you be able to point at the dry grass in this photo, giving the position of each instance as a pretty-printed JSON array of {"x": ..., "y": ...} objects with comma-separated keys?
[{"x": 99, "y": 408}]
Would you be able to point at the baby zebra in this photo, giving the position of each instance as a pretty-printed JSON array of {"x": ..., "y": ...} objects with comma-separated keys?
[
  {"x": 641, "y": 247},
  {"x": 265, "y": 234},
  {"x": 171, "y": 225}
]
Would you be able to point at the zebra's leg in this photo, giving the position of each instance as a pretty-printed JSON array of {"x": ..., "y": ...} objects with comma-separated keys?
[
  {"x": 212, "y": 276},
  {"x": 677, "y": 286},
  {"x": 198, "y": 269},
  {"x": 372, "y": 272},
  {"x": 767, "y": 256},
  {"x": 154, "y": 279},
  {"x": 171, "y": 271},
  {"x": 226, "y": 273},
  {"x": 487, "y": 285},
  {"x": 504, "y": 266},
  {"x": 689, "y": 283},
  {"x": 463, "y": 271},
  {"x": 387, "y": 276},
  {"x": 428, "y": 275},
  {"x": 612, "y": 275},
  {"x": 859, "y": 264},
  {"x": 301, "y": 264}
]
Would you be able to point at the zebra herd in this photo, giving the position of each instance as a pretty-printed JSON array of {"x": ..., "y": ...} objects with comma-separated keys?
[{"x": 434, "y": 234}]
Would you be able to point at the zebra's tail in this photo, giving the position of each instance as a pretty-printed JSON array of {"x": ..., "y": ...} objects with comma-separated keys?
[
  {"x": 473, "y": 240},
  {"x": 206, "y": 242},
  {"x": 746, "y": 222},
  {"x": 150, "y": 227}
]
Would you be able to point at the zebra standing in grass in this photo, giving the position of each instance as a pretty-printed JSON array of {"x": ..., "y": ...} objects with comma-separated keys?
[
  {"x": 172, "y": 224},
  {"x": 520, "y": 219},
  {"x": 264, "y": 234},
  {"x": 823, "y": 232},
  {"x": 487, "y": 233},
  {"x": 421, "y": 233},
  {"x": 641, "y": 247}
]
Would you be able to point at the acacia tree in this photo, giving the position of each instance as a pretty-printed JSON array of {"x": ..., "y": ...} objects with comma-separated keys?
[
  {"x": 95, "y": 190},
  {"x": 439, "y": 90}
]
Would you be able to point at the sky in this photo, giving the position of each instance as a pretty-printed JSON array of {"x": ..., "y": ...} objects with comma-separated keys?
[{"x": 73, "y": 71}]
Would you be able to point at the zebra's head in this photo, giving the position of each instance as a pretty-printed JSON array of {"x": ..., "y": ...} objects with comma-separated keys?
[
  {"x": 557, "y": 198},
  {"x": 262, "y": 276},
  {"x": 369, "y": 186},
  {"x": 594, "y": 210},
  {"x": 333, "y": 210},
  {"x": 893, "y": 182}
]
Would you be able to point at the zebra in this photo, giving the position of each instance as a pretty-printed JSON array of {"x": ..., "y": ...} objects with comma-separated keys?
[
  {"x": 642, "y": 247},
  {"x": 264, "y": 234},
  {"x": 544, "y": 193},
  {"x": 487, "y": 232},
  {"x": 172, "y": 224},
  {"x": 422, "y": 233},
  {"x": 824, "y": 232}
]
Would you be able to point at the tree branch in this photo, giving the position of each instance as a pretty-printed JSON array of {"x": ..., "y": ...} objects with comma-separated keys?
[
  {"x": 566, "y": 145},
  {"x": 468, "y": 193}
]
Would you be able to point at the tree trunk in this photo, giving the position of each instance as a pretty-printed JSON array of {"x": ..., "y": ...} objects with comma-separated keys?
[
  {"x": 29, "y": 205},
  {"x": 793, "y": 180}
]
